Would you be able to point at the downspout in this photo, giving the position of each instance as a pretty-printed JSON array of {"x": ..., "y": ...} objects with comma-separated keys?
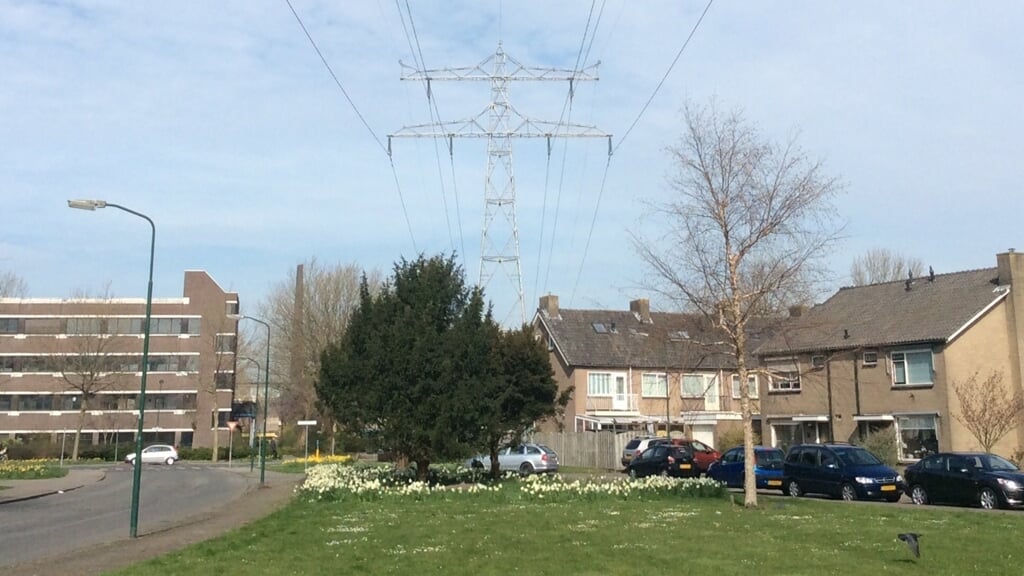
[
  {"x": 856, "y": 380},
  {"x": 828, "y": 382}
]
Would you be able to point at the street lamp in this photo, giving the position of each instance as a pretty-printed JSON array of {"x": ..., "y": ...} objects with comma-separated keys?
[
  {"x": 252, "y": 429},
  {"x": 266, "y": 402},
  {"x": 137, "y": 466}
]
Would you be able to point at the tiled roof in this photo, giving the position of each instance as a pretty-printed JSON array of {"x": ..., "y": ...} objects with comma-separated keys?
[
  {"x": 669, "y": 341},
  {"x": 890, "y": 313}
]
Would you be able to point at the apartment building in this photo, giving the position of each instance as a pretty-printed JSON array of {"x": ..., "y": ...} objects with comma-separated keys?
[{"x": 65, "y": 362}]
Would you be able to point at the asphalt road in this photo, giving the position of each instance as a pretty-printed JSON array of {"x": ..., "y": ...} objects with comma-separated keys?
[{"x": 100, "y": 513}]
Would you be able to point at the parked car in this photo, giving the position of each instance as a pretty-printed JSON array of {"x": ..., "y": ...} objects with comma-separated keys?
[
  {"x": 637, "y": 445},
  {"x": 966, "y": 478},
  {"x": 663, "y": 459},
  {"x": 839, "y": 470},
  {"x": 703, "y": 454},
  {"x": 525, "y": 459},
  {"x": 155, "y": 454},
  {"x": 768, "y": 463}
]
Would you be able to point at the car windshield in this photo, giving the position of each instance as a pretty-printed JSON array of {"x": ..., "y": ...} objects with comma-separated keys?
[
  {"x": 998, "y": 463},
  {"x": 858, "y": 457},
  {"x": 632, "y": 444},
  {"x": 768, "y": 457}
]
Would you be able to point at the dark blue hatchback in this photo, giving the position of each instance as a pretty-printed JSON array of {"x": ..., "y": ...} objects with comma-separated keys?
[
  {"x": 767, "y": 467},
  {"x": 839, "y": 470}
]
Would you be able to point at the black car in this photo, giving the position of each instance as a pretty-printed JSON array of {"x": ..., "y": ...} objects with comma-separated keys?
[
  {"x": 663, "y": 460},
  {"x": 966, "y": 478},
  {"x": 839, "y": 470}
]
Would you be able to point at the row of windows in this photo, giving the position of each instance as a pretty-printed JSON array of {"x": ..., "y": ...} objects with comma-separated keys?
[
  {"x": 906, "y": 368},
  {"x": 72, "y": 402},
  {"x": 113, "y": 326},
  {"x": 656, "y": 385},
  {"x": 109, "y": 363}
]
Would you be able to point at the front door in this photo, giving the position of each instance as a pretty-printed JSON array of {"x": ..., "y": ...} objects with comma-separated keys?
[
  {"x": 711, "y": 395},
  {"x": 620, "y": 398}
]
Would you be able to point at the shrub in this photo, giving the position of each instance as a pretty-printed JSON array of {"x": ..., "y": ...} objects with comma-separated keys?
[
  {"x": 732, "y": 437},
  {"x": 1018, "y": 457},
  {"x": 882, "y": 443}
]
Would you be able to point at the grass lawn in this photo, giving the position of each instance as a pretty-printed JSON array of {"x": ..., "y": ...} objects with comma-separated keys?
[{"x": 511, "y": 533}]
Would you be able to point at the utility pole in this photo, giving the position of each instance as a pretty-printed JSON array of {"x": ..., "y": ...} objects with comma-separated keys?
[{"x": 499, "y": 123}]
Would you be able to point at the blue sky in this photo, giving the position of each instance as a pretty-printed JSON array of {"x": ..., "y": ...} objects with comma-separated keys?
[{"x": 219, "y": 121}]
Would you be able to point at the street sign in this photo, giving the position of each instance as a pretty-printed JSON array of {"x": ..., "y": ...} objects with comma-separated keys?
[
  {"x": 306, "y": 423},
  {"x": 232, "y": 424}
]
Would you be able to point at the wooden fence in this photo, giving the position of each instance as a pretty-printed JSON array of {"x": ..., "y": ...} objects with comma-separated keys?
[{"x": 601, "y": 450}]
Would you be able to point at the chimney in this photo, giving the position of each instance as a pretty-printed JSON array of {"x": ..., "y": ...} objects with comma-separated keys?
[
  {"x": 641, "y": 308},
  {"x": 1011, "y": 266},
  {"x": 549, "y": 305},
  {"x": 797, "y": 311}
]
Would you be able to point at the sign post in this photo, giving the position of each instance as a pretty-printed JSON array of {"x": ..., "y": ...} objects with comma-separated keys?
[
  {"x": 232, "y": 424},
  {"x": 306, "y": 424}
]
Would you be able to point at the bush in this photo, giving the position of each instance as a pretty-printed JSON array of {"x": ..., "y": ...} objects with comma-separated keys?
[
  {"x": 1018, "y": 457},
  {"x": 732, "y": 437},
  {"x": 882, "y": 443}
]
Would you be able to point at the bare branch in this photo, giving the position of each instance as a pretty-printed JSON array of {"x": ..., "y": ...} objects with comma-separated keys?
[{"x": 987, "y": 409}]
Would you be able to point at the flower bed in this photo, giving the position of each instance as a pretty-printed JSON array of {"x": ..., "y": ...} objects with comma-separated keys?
[{"x": 30, "y": 469}]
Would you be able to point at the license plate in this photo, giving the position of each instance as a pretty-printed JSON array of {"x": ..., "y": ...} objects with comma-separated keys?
[
  {"x": 775, "y": 482},
  {"x": 684, "y": 466},
  {"x": 888, "y": 488}
]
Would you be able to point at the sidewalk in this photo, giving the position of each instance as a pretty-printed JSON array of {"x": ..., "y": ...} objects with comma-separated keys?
[{"x": 18, "y": 490}]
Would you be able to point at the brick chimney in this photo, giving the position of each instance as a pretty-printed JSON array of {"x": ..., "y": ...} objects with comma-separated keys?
[
  {"x": 1011, "y": 267},
  {"x": 549, "y": 305},
  {"x": 641, "y": 307}
]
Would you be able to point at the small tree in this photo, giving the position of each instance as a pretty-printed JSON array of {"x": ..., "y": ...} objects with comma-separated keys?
[
  {"x": 12, "y": 285},
  {"x": 987, "y": 409},
  {"x": 883, "y": 265}
]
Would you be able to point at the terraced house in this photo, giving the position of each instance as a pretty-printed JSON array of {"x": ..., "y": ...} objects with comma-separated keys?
[
  {"x": 640, "y": 371},
  {"x": 888, "y": 357},
  {"x": 77, "y": 361}
]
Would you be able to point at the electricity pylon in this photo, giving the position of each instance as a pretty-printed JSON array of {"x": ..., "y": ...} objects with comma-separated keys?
[{"x": 499, "y": 123}]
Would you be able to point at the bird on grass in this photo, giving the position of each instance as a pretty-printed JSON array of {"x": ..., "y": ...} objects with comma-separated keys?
[{"x": 912, "y": 540}]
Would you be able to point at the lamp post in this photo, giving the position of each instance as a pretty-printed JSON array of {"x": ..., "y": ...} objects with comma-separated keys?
[
  {"x": 252, "y": 429},
  {"x": 137, "y": 465},
  {"x": 266, "y": 403}
]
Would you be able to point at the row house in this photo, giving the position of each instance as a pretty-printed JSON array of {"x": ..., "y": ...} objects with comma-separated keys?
[
  {"x": 889, "y": 356},
  {"x": 62, "y": 359},
  {"x": 640, "y": 371}
]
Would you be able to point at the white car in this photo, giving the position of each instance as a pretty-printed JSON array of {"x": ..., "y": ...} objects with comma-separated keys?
[{"x": 155, "y": 454}]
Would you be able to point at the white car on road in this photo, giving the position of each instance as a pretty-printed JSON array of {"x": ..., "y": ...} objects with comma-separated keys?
[{"x": 155, "y": 454}]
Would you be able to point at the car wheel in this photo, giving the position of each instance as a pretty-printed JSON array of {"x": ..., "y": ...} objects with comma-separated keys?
[
  {"x": 918, "y": 495},
  {"x": 169, "y": 461},
  {"x": 988, "y": 499},
  {"x": 525, "y": 469},
  {"x": 793, "y": 489},
  {"x": 848, "y": 492}
]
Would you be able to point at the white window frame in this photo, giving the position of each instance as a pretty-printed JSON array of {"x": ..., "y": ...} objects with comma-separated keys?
[
  {"x": 661, "y": 379},
  {"x": 751, "y": 382},
  {"x": 906, "y": 372},
  {"x": 703, "y": 386},
  {"x": 591, "y": 390},
  {"x": 788, "y": 380},
  {"x": 869, "y": 357}
]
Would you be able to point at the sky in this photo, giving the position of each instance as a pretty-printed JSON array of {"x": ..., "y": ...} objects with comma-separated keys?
[{"x": 220, "y": 122}]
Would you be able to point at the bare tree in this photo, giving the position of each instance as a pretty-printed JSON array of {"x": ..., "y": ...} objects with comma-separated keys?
[
  {"x": 326, "y": 298},
  {"x": 12, "y": 285},
  {"x": 883, "y": 265},
  {"x": 750, "y": 223},
  {"x": 225, "y": 345},
  {"x": 987, "y": 409}
]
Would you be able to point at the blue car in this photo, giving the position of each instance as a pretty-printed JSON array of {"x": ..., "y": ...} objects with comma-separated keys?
[
  {"x": 767, "y": 467},
  {"x": 841, "y": 471}
]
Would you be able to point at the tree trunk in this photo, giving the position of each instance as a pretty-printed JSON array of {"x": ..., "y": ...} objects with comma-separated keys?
[
  {"x": 422, "y": 470},
  {"x": 216, "y": 428},
  {"x": 78, "y": 430}
]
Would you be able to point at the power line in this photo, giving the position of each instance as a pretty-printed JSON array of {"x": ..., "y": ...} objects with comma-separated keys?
[
  {"x": 593, "y": 222},
  {"x": 663, "y": 78}
]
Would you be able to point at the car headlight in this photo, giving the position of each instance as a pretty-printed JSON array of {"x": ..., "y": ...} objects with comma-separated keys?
[
  {"x": 899, "y": 478},
  {"x": 864, "y": 480},
  {"x": 1009, "y": 484}
]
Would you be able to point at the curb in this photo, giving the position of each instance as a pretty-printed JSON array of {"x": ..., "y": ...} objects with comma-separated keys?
[{"x": 49, "y": 491}]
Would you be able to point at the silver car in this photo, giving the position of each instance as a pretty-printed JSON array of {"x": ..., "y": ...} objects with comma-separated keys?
[
  {"x": 525, "y": 459},
  {"x": 155, "y": 454}
]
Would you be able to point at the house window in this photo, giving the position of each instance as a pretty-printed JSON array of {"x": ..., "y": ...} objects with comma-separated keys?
[
  {"x": 655, "y": 385},
  {"x": 231, "y": 308},
  {"x": 8, "y": 325},
  {"x": 599, "y": 384},
  {"x": 751, "y": 385},
  {"x": 918, "y": 436},
  {"x": 693, "y": 386},
  {"x": 224, "y": 380},
  {"x": 817, "y": 361},
  {"x": 784, "y": 376},
  {"x": 870, "y": 357},
  {"x": 912, "y": 368}
]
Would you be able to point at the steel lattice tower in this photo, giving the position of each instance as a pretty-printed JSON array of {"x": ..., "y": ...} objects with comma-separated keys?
[{"x": 499, "y": 123}]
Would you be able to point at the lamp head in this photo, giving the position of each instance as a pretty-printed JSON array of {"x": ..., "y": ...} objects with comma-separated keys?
[{"x": 87, "y": 204}]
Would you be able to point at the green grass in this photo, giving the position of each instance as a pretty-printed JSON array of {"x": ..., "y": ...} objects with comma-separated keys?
[
  {"x": 31, "y": 470},
  {"x": 506, "y": 534}
]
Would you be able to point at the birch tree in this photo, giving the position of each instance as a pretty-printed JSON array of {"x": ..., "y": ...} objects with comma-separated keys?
[
  {"x": 987, "y": 408},
  {"x": 746, "y": 226}
]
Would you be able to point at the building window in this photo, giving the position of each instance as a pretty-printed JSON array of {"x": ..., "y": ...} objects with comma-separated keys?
[
  {"x": 599, "y": 384},
  {"x": 693, "y": 386},
  {"x": 8, "y": 325},
  {"x": 30, "y": 402},
  {"x": 6, "y": 402},
  {"x": 817, "y": 361},
  {"x": 751, "y": 385},
  {"x": 870, "y": 358},
  {"x": 225, "y": 342},
  {"x": 655, "y": 385},
  {"x": 784, "y": 376},
  {"x": 918, "y": 436},
  {"x": 225, "y": 380},
  {"x": 912, "y": 368}
]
